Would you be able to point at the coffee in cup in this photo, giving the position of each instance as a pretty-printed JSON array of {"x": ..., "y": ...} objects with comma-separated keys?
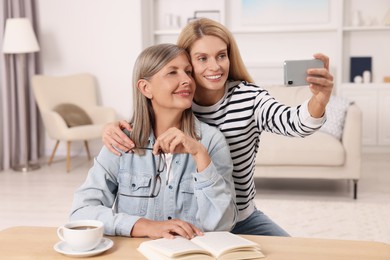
[{"x": 82, "y": 235}]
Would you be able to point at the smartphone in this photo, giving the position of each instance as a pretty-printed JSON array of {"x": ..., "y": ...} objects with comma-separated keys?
[{"x": 295, "y": 71}]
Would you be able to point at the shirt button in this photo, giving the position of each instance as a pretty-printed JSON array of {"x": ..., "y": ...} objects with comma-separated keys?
[
  {"x": 170, "y": 187},
  {"x": 195, "y": 179},
  {"x": 133, "y": 185},
  {"x": 169, "y": 218}
]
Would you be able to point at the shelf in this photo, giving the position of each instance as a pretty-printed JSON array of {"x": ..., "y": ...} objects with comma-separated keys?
[
  {"x": 365, "y": 28},
  {"x": 167, "y": 32},
  {"x": 261, "y": 30},
  {"x": 299, "y": 29},
  {"x": 365, "y": 85}
]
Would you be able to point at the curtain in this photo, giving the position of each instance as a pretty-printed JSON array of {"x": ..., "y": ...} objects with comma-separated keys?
[{"x": 20, "y": 124}]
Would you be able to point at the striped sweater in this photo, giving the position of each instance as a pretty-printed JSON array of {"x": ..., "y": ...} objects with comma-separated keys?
[{"x": 241, "y": 115}]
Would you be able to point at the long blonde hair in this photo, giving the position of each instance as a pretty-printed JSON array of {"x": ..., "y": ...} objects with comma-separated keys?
[
  {"x": 149, "y": 62},
  {"x": 202, "y": 27}
]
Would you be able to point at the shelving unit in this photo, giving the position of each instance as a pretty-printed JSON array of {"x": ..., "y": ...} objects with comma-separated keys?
[
  {"x": 365, "y": 28},
  {"x": 368, "y": 40},
  {"x": 264, "y": 48},
  {"x": 171, "y": 15},
  {"x": 374, "y": 100}
]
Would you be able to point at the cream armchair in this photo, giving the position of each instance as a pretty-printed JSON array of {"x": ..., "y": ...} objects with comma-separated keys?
[{"x": 79, "y": 90}]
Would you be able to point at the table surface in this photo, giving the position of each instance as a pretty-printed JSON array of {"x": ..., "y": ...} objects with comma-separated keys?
[{"x": 38, "y": 242}]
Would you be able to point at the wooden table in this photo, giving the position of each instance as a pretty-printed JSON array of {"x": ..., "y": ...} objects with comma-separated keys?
[{"x": 38, "y": 242}]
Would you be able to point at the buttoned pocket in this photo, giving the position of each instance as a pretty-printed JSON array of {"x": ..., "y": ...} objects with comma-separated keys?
[{"x": 132, "y": 185}]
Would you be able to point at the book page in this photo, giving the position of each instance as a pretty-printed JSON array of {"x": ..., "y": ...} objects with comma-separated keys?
[
  {"x": 173, "y": 248},
  {"x": 219, "y": 243}
]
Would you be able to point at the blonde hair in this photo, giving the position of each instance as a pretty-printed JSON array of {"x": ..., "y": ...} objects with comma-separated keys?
[
  {"x": 202, "y": 27},
  {"x": 149, "y": 62}
]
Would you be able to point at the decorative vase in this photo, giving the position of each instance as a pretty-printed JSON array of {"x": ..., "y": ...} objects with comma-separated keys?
[{"x": 357, "y": 19}]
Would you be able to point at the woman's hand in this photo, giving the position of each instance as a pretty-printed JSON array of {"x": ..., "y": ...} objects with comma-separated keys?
[
  {"x": 321, "y": 85},
  {"x": 167, "y": 229},
  {"x": 113, "y": 136},
  {"x": 175, "y": 141}
]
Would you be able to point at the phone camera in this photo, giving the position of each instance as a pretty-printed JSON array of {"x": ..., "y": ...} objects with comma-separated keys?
[{"x": 290, "y": 82}]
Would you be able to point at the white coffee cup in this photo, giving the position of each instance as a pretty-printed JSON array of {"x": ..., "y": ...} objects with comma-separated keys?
[{"x": 82, "y": 235}]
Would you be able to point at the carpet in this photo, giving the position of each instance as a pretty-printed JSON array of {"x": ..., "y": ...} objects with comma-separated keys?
[{"x": 352, "y": 220}]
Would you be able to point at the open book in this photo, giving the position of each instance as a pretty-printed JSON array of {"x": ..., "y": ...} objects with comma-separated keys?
[{"x": 212, "y": 245}]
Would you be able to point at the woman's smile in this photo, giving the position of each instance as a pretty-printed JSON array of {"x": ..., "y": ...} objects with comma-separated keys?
[{"x": 213, "y": 77}]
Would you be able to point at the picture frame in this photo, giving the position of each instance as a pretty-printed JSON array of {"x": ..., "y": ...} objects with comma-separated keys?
[
  {"x": 247, "y": 15},
  {"x": 281, "y": 13}
]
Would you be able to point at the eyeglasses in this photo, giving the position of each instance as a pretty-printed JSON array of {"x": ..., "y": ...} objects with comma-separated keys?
[{"x": 156, "y": 182}]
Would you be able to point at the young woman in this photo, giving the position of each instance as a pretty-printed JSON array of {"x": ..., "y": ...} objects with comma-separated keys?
[
  {"x": 179, "y": 178},
  {"x": 225, "y": 98}
]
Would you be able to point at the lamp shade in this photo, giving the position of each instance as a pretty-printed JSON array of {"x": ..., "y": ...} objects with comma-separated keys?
[{"x": 19, "y": 36}]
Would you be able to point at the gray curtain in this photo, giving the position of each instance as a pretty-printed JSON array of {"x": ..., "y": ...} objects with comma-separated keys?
[{"x": 18, "y": 120}]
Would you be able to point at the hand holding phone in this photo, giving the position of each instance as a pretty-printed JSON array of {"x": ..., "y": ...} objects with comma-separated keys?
[{"x": 295, "y": 71}]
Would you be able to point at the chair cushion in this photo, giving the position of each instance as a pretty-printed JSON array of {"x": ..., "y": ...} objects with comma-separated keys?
[{"x": 73, "y": 115}]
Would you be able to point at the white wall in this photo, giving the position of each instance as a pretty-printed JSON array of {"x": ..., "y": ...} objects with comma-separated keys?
[
  {"x": 263, "y": 47},
  {"x": 102, "y": 37}
]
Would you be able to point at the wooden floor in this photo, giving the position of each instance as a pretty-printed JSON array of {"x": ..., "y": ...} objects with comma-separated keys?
[{"x": 44, "y": 196}]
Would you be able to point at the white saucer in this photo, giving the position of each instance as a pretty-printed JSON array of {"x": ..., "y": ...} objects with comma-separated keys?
[{"x": 63, "y": 248}]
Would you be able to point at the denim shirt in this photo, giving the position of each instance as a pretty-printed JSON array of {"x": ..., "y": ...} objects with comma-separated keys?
[{"x": 205, "y": 199}]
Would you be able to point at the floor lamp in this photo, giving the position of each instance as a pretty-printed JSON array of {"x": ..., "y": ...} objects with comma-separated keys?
[{"x": 19, "y": 39}]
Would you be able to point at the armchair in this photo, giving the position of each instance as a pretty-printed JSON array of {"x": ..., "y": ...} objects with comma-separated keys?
[{"x": 78, "y": 90}]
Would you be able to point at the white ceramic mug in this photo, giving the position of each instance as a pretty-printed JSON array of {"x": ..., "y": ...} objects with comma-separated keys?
[{"x": 82, "y": 235}]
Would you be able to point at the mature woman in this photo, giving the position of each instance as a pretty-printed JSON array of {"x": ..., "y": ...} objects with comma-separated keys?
[{"x": 178, "y": 180}]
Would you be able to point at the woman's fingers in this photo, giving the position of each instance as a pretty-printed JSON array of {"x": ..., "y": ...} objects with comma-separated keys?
[
  {"x": 188, "y": 230},
  {"x": 171, "y": 228},
  {"x": 175, "y": 141},
  {"x": 324, "y": 58},
  {"x": 197, "y": 231},
  {"x": 114, "y": 137},
  {"x": 123, "y": 124},
  {"x": 107, "y": 137},
  {"x": 315, "y": 74},
  {"x": 321, "y": 77},
  {"x": 184, "y": 229},
  {"x": 168, "y": 141},
  {"x": 167, "y": 234},
  {"x": 125, "y": 141}
]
